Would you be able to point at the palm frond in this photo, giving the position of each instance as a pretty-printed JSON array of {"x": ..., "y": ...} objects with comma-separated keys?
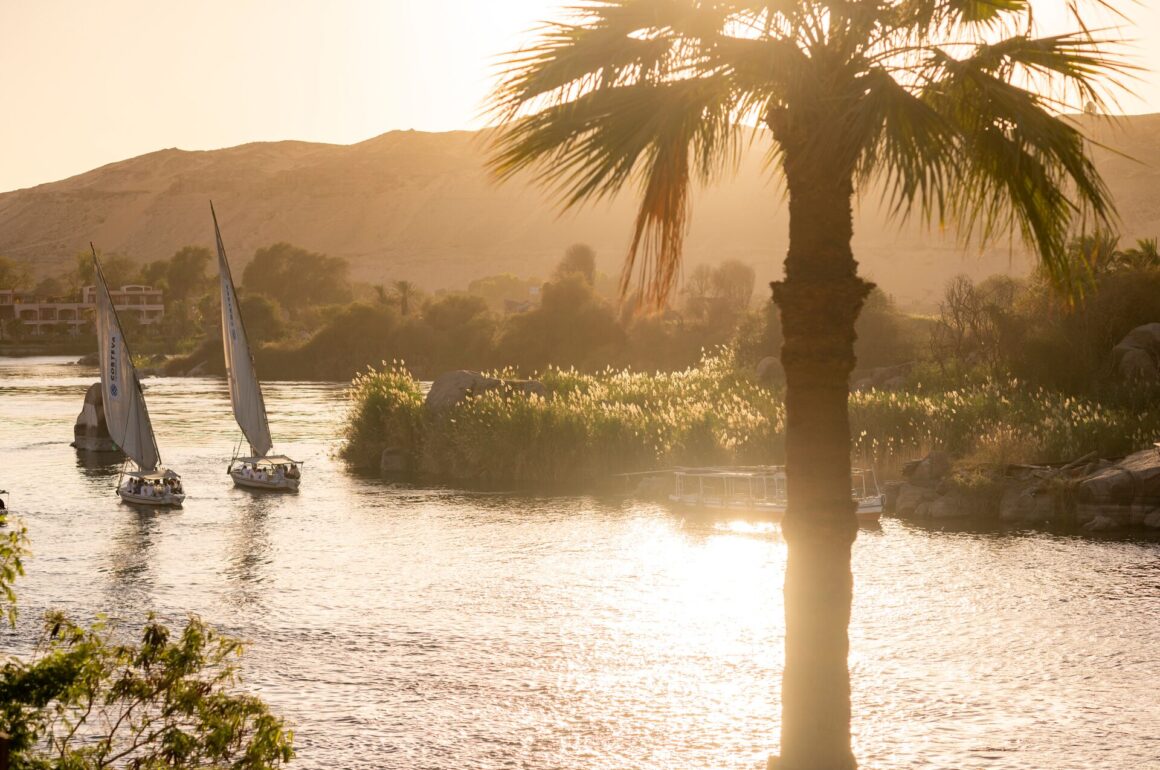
[{"x": 955, "y": 105}]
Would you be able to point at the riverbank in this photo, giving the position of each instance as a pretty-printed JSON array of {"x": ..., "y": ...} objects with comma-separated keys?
[
  {"x": 582, "y": 429},
  {"x": 77, "y": 347}
]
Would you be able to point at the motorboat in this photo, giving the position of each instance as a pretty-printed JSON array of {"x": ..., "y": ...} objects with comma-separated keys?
[{"x": 762, "y": 489}]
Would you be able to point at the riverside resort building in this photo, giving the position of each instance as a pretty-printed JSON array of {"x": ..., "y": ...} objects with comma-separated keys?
[{"x": 39, "y": 317}]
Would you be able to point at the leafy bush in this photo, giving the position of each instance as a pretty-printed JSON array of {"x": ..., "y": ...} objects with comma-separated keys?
[{"x": 87, "y": 700}]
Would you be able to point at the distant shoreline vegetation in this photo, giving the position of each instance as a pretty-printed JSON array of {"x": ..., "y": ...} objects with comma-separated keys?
[{"x": 592, "y": 426}]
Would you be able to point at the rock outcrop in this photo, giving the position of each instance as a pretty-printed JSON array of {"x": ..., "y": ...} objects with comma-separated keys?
[
  {"x": 1137, "y": 356},
  {"x": 450, "y": 388},
  {"x": 1126, "y": 493},
  {"x": 1098, "y": 495}
]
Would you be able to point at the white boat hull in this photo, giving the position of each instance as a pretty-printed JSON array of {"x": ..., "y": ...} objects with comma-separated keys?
[
  {"x": 269, "y": 485},
  {"x": 166, "y": 500}
]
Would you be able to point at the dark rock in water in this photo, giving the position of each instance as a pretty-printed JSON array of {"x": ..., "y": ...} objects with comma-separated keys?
[
  {"x": 1025, "y": 502},
  {"x": 952, "y": 506},
  {"x": 1096, "y": 494},
  {"x": 1127, "y": 492},
  {"x": 451, "y": 388},
  {"x": 1101, "y": 524},
  {"x": 92, "y": 359},
  {"x": 90, "y": 433},
  {"x": 912, "y": 498}
]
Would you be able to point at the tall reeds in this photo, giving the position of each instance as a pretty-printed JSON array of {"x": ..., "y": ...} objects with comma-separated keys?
[{"x": 590, "y": 427}]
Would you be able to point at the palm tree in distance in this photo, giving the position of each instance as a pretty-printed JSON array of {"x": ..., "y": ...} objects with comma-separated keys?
[
  {"x": 404, "y": 291},
  {"x": 953, "y": 105}
]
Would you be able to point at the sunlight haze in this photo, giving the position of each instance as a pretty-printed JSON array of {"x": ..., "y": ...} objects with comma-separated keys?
[{"x": 90, "y": 84}]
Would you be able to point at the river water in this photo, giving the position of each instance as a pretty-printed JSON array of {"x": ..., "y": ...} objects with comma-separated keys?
[{"x": 410, "y": 627}]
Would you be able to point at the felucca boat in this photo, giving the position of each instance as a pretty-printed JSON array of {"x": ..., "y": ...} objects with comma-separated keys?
[
  {"x": 260, "y": 469},
  {"x": 123, "y": 401}
]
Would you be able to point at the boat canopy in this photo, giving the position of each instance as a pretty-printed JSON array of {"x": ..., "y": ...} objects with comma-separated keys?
[
  {"x": 269, "y": 460},
  {"x": 156, "y": 475}
]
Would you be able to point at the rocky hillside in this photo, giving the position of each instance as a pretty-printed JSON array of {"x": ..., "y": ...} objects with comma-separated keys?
[{"x": 420, "y": 206}]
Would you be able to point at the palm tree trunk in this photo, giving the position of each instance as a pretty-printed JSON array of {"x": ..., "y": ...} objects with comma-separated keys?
[{"x": 819, "y": 301}]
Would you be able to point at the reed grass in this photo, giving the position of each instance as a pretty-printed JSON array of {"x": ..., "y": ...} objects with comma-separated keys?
[{"x": 591, "y": 426}]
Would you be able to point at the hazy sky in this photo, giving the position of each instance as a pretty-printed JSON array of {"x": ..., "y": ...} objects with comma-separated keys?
[{"x": 88, "y": 83}]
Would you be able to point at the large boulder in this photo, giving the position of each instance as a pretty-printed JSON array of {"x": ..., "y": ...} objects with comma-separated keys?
[
  {"x": 451, "y": 388},
  {"x": 911, "y": 498},
  {"x": 768, "y": 370},
  {"x": 950, "y": 506},
  {"x": 1025, "y": 502},
  {"x": 1126, "y": 492},
  {"x": 1137, "y": 356},
  {"x": 931, "y": 469},
  {"x": 1135, "y": 480}
]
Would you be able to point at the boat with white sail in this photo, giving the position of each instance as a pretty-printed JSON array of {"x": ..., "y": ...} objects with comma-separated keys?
[
  {"x": 762, "y": 489},
  {"x": 260, "y": 469},
  {"x": 147, "y": 482}
]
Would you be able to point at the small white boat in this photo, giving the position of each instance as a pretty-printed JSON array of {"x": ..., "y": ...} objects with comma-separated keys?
[
  {"x": 762, "y": 489},
  {"x": 260, "y": 470},
  {"x": 127, "y": 417},
  {"x": 276, "y": 473}
]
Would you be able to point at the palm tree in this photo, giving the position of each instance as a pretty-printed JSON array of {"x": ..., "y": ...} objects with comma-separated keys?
[
  {"x": 405, "y": 291},
  {"x": 1145, "y": 255},
  {"x": 954, "y": 105}
]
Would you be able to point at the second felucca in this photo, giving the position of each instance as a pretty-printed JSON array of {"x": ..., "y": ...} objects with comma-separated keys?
[{"x": 261, "y": 469}]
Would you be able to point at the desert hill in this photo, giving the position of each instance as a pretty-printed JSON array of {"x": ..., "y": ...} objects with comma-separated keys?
[{"x": 420, "y": 206}]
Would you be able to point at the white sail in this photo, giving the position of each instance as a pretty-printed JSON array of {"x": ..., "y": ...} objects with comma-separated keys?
[
  {"x": 124, "y": 403},
  {"x": 245, "y": 392}
]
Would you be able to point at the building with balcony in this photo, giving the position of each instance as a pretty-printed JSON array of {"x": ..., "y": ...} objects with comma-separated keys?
[{"x": 48, "y": 316}]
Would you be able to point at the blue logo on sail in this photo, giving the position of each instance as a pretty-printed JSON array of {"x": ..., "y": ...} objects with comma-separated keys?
[{"x": 113, "y": 389}]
